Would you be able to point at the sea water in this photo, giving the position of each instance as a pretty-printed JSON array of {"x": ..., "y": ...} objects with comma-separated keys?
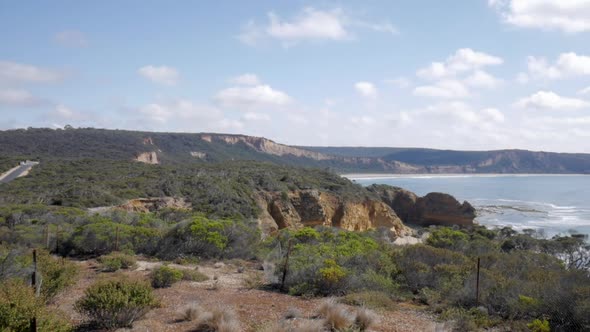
[{"x": 553, "y": 204}]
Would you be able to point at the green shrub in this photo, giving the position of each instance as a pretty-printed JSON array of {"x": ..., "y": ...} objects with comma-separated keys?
[
  {"x": 327, "y": 261},
  {"x": 116, "y": 303},
  {"x": 538, "y": 325},
  {"x": 56, "y": 274},
  {"x": 164, "y": 276},
  {"x": 211, "y": 238},
  {"x": 116, "y": 261},
  {"x": 18, "y": 304}
]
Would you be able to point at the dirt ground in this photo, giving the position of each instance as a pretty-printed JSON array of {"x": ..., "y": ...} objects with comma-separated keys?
[{"x": 227, "y": 288}]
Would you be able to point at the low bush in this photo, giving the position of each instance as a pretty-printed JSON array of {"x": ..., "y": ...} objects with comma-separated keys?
[
  {"x": 116, "y": 261},
  {"x": 18, "y": 305},
  {"x": 165, "y": 276},
  {"x": 116, "y": 303}
]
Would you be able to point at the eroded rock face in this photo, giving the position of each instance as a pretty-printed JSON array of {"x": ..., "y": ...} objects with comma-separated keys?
[
  {"x": 148, "y": 158},
  {"x": 154, "y": 204},
  {"x": 432, "y": 209},
  {"x": 313, "y": 208}
]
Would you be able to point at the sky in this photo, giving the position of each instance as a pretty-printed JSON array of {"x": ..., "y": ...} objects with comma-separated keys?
[{"x": 460, "y": 74}]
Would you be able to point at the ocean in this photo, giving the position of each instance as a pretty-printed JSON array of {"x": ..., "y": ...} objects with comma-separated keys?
[{"x": 553, "y": 204}]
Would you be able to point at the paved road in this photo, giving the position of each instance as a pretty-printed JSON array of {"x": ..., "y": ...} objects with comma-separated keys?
[{"x": 17, "y": 172}]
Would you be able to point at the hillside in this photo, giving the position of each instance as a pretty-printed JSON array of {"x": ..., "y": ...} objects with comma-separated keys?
[
  {"x": 452, "y": 161},
  {"x": 198, "y": 148}
]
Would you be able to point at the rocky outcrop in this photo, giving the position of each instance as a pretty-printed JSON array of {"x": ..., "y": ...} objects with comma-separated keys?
[
  {"x": 154, "y": 204},
  {"x": 200, "y": 155},
  {"x": 148, "y": 158},
  {"x": 313, "y": 208},
  {"x": 432, "y": 209}
]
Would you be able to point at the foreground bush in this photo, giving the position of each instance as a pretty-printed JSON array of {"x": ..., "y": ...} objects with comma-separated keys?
[
  {"x": 116, "y": 303},
  {"x": 56, "y": 274},
  {"x": 18, "y": 304},
  {"x": 164, "y": 276},
  {"x": 116, "y": 261}
]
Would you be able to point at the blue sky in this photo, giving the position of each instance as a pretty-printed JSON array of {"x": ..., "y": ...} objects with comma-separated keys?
[{"x": 468, "y": 74}]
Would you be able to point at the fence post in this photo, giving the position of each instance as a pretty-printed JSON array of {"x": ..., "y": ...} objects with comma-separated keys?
[
  {"x": 117, "y": 238},
  {"x": 57, "y": 239},
  {"x": 46, "y": 235},
  {"x": 33, "y": 322},
  {"x": 477, "y": 285},
  {"x": 286, "y": 265}
]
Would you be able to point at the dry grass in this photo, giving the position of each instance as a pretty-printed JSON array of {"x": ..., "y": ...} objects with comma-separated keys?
[
  {"x": 214, "y": 320},
  {"x": 370, "y": 299},
  {"x": 336, "y": 316},
  {"x": 190, "y": 313},
  {"x": 253, "y": 280},
  {"x": 365, "y": 319}
]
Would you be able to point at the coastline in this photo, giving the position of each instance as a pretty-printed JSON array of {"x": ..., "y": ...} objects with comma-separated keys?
[{"x": 377, "y": 176}]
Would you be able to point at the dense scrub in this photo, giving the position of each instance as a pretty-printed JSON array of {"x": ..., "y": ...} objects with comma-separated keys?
[
  {"x": 524, "y": 279},
  {"x": 545, "y": 279},
  {"x": 219, "y": 190}
]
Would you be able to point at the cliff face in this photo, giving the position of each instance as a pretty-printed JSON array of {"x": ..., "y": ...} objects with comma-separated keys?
[
  {"x": 312, "y": 208},
  {"x": 432, "y": 209},
  {"x": 264, "y": 145},
  {"x": 148, "y": 158},
  {"x": 154, "y": 204}
]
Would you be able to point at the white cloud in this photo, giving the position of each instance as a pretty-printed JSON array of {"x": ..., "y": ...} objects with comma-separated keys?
[
  {"x": 585, "y": 91},
  {"x": 363, "y": 120},
  {"x": 64, "y": 112},
  {"x": 570, "y": 16},
  {"x": 443, "y": 89},
  {"x": 253, "y": 116},
  {"x": 71, "y": 38},
  {"x": 551, "y": 100},
  {"x": 249, "y": 96},
  {"x": 12, "y": 72},
  {"x": 522, "y": 78},
  {"x": 245, "y": 79},
  {"x": 366, "y": 89},
  {"x": 567, "y": 65},
  {"x": 178, "y": 111},
  {"x": 160, "y": 74},
  {"x": 493, "y": 114},
  {"x": 464, "y": 60},
  {"x": 481, "y": 78},
  {"x": 400, "y": 82},
  {"x": 19, "y": 98},
  {"x": 251, "y": 33},
  {"x": 310, "y": 24}
]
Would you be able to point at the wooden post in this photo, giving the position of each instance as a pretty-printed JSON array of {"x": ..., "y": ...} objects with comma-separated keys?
[
  {"x": 46, "y": 234},
  {"x": 33, "y": 322},
  {"x": 290, "y": 246},
  {"x": 57, "y": 239},
  {"x": 117, "y": 238},
  {"x": 477, "y": 285}
]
